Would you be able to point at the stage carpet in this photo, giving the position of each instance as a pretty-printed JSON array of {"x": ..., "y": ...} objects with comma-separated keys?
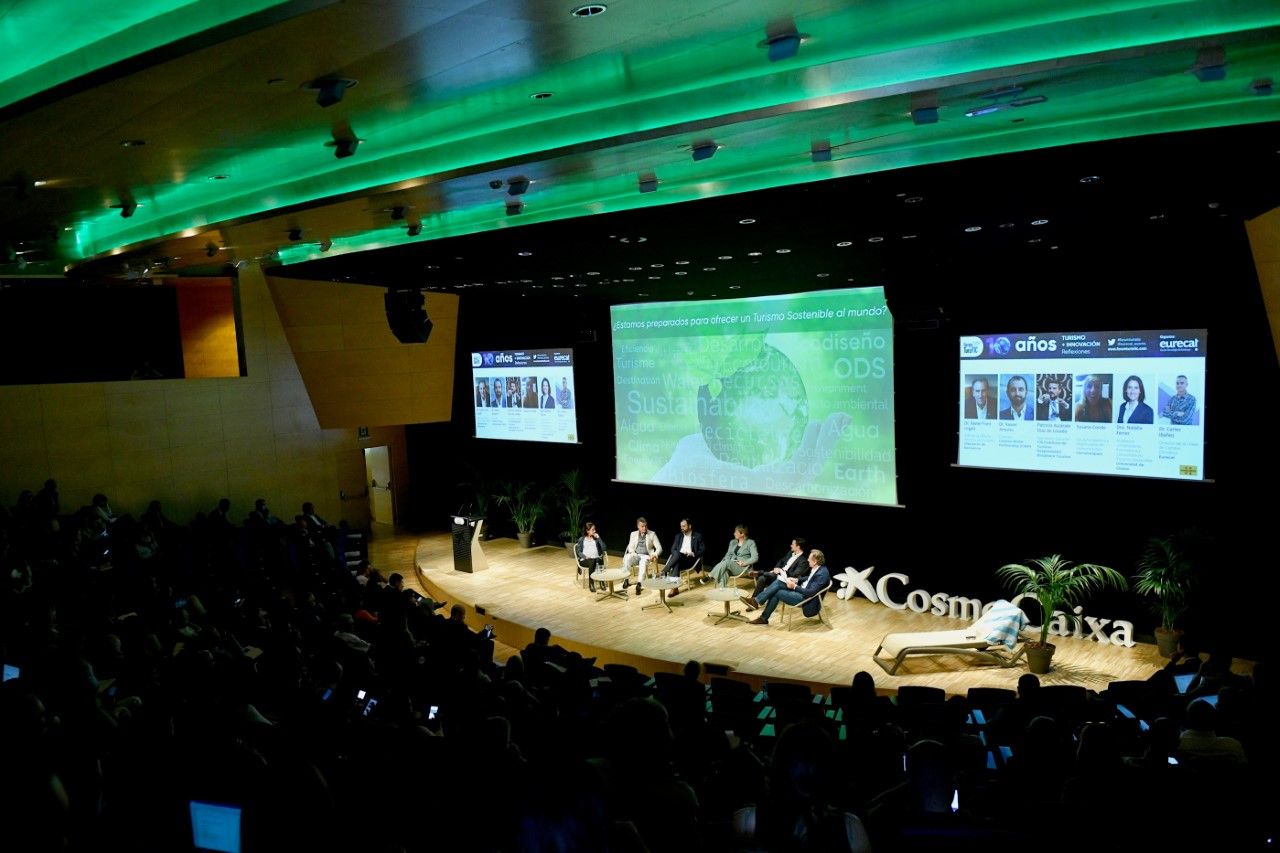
[{"x": 523, "y": 589}]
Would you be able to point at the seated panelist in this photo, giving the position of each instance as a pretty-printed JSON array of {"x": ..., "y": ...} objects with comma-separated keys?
[{"x": 741, "y": 557}]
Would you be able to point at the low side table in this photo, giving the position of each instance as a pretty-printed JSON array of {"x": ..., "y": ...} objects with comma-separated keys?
[
  {"x": 728, "y": 595},
  {"x": 662, "y": 584},
  {"x": 610, "y": 577}
]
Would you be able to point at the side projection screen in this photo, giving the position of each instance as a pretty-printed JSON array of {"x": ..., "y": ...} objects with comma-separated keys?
[
  {"x": 525, "y": 395},
  {"x": 1130, "y": 404},
  {"x": 786, "y": 395}
]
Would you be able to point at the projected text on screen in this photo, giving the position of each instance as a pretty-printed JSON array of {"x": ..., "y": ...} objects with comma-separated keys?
[
  {"x": 1125, "y": 403},
  {"x": 786, "y": 395}
]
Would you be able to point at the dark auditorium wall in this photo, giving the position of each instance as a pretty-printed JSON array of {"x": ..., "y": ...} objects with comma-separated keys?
[{"x": 956, "y": 525}]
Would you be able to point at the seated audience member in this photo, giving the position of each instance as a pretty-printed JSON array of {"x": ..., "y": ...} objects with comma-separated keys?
[
  {"x": 218, "y": 518},
  {"x": 590, "y": 551},
  {"x": 643, "y": 547},
  {"x": 102, "y": 509},
  {"x": 261, "y": 515},
  {"x": 791, "y": 590},
  {"x": 309, "y": 510},
  {"x": 792, "y": 564},
  {"x": 1200, "y": 740},
  {"x": 740, "y": 557},
  {"x": 686, "y": 549},
  {"x": 799, "y": 812}
]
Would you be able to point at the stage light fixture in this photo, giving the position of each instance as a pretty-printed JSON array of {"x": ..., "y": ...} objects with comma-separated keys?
[
  {"x": 704, "y": 150},
  {"x": 295, "y": 234},
  {"x": 517, "y": 186},
  {"x": 1261, "y": 86},
  {"x": 514, "y": 207},
  {"x": 210, "y": 249},
  {"x": 924, "y": 107},
  {"x": 329, "y": 90},
  {"x": 648, "y": 183},
  {"x": 820, "y": 151},
  {"x": 127, "y": 207},
  {"x": 1211, "y": 64},
  {"x": 325, "y": 245},
  {"x": 397, "y": 213},
  {"x": 345, "y": 141},
  {"x": 414, "y": 229},
  {"x": 782, "y": 39}
]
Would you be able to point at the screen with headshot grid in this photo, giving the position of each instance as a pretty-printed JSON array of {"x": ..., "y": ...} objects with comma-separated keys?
[
  {"x": 1129, "y": 404},
  {"x": 525, "y": 395}
]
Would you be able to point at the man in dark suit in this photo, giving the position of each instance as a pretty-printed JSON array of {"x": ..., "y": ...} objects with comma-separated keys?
[
  {"x": 793, "y": 590},
  {"x": 792, "y": 564},
  {"x": 1051, "y": 405},
  {"x": 977, "y": 404},
  {"x": 686, "y": 550},
  {"x": 1018, "y": 410}
]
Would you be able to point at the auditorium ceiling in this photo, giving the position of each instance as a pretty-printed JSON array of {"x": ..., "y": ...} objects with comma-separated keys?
[{"x": 486, "y": 137}]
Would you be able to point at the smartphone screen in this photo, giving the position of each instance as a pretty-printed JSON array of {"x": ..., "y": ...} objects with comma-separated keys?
[
  {"x": 431, "y": 713},
  {"x": 11, "y": 672},
  {"x": 955, "y": 800},
  {"x": 327, "y": 694},
  {"x": 369, "y": 706},
  {"x": 215, "y": 827}
]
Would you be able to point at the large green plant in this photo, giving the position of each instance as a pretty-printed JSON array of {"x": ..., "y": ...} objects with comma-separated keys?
[
  {"x": 1058, "y": 584},
  {"x": 525, "y": 501},
  {"x": 1166, "y": 573},
  {"x": 574, "y": 500}
]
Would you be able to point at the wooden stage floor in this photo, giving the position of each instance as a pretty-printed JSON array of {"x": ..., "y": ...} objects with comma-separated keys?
[{"x": 524, "y": 589}]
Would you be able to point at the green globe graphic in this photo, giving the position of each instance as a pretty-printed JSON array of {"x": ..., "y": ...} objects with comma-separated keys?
[{"x": 759, "y": 415}]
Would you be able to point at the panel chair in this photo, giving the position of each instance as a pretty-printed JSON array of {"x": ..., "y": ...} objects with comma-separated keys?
[
  {"x": 813, "y": 601},
  {"x": 584, "y": 571},
  {"x": 687, "y": 576}
]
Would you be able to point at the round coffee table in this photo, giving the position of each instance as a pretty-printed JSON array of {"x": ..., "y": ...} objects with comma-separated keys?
[
  {"x": 610, "y": 577},
  {"x": 663, "y": 584},
  {"x": 728, "y": 595}
]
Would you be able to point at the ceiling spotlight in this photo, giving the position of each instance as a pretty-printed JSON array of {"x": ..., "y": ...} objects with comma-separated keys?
[
  {"x": 127, "y": 207},
  {"x": 924, "y": 107},
  {"x": 1261, "y": 86},
  {"x": 588, "y": 10},
  {"x": 648, "y": 182},
  {"x": 345, "y": 141},
  {"x": 325, "y": 245},
  {"x": 397, "y": 212},
  {"x": 210, "y": 249},
  {"x": 329, "y": 90},
  {"x": 782, "y": 39},
  {"x": 295, "y": 234},
  {"x": 414, "y": 229},
  {"x": 1211, "y": 64},
  {"x": 704, "y": 150},
  {"x": 820, "y": 151},
  {"x": 514, "y": 206},
  {"x": 517, "y": 186}
]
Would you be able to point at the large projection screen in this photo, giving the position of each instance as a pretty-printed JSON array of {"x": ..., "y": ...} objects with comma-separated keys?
[
  {"x": 1129, "y": 404},
  {"x": 787, "y": 395}
]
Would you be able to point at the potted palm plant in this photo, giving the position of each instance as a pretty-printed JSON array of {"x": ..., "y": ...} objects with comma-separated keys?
[
  {"x": 527, "y": 505},
  {"x": 574, "y": 500},
  {"x": 1059, "y": 585},
  {"x": 1166, "y": 574}
]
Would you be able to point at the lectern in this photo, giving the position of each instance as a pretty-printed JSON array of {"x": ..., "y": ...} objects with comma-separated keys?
[{"x": 467, "y": 556}]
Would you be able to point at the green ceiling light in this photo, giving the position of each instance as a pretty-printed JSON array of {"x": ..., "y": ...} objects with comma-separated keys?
[{"x": 47, "y": 43}]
